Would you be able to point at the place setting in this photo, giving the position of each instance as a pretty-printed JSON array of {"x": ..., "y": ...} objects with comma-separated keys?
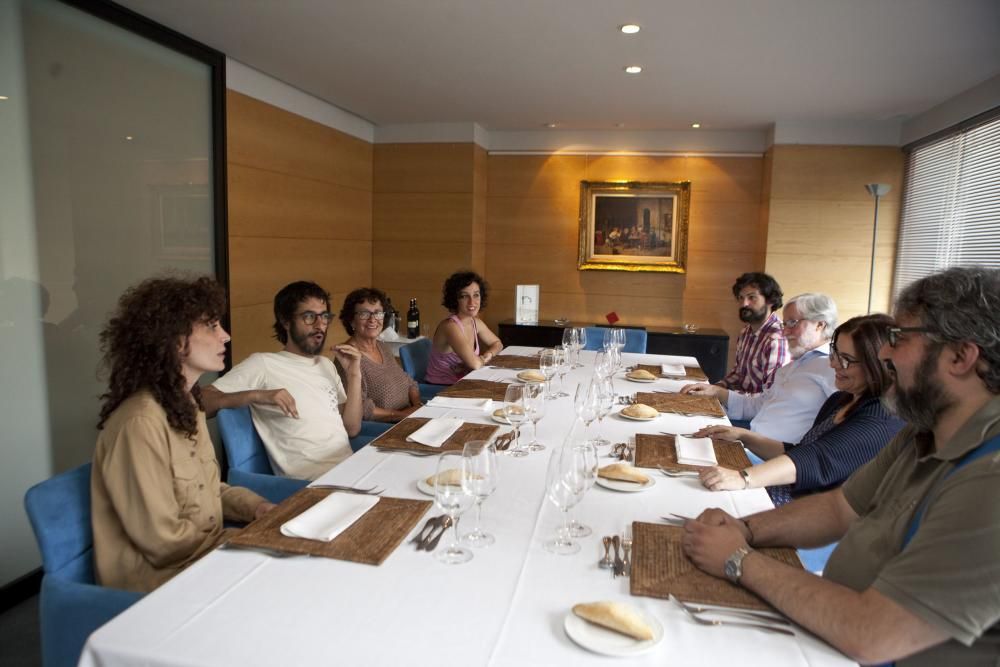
[
  {"x": 670, "y": 371},
  {"x": 469, "y": 388},
  {"x": 686, "y": 405},
  {"x": 422, "y": 435},
  {"x": 676, "y": 453}
]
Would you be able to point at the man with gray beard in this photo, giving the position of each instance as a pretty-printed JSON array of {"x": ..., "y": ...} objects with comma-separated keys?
[{"x": 915, "y": 578}]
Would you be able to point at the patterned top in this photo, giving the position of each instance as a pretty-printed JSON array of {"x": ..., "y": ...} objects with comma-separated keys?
[
  {"x": 759, "y": 354},
  {"x": 830, "y": 452},
  {"x": 384, "y": 385}
]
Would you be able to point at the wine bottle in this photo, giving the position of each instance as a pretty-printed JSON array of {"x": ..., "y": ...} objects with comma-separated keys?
[{"x": 413, "y": 320}]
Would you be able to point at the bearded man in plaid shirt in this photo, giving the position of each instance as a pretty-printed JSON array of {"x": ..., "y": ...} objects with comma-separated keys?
[{"x": 761, "y": 349}]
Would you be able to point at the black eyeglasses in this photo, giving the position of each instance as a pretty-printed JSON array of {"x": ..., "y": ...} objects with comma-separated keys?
[
  {"x": 309, "y": 317},
  {"x": 841, "y": 360},
  {"x": 895, "y": 333}
]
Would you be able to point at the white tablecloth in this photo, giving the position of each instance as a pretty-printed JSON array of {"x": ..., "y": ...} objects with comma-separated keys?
[{"x": 505, "y": 607}]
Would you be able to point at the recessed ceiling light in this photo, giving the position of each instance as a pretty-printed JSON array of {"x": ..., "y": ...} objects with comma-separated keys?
[
  {"x": 128, "y": 137},
  {"x": 549, "y": 125},
  {"x": 630, "y": 28},
  {"x": 3, "y": 97},
  {"x": 696, "y": 125},
  {"x": 633, "y": 69}
]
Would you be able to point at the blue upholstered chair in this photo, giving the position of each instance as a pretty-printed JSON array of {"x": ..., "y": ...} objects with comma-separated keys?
[
  {"x": 414, "y": 357},
  {"x": 71, "y": 606},
  {"x": 248, "y": 462},
  {"x": 635, "y": 339}
]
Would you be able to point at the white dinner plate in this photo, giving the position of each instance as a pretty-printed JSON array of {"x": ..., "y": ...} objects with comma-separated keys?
[
  {"x": 500, "y": 420},
  {"x": 637, "y": 419},
  {"x": 608, "y": 642},
  {"x": 628, "y": 487},
  {"x": 520, "y": 376},
  {"x": 632, "y": 379},
  {"x": 424, "y": 487}
]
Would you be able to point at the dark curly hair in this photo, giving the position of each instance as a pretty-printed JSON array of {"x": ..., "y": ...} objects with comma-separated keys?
[
  {"x": 287, "y": 301},
  {"x": 360, "y": 295},
  {"x": 140, "y": 345},
  {"x": 458, "y": 281},
  {"x": 768, "y": 286}
]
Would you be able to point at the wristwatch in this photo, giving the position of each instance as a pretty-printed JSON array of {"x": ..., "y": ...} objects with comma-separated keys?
[
  {"x": 733, "y": 568},
  {"x": 746, "y": 478}
]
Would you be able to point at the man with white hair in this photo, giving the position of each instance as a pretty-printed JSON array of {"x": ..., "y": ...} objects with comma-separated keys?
[{"x": 786, "y": 410}]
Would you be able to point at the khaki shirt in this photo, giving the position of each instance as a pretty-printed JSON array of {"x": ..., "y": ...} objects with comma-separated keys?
[
  {"x": 157, "y": 504},
  {"x": 949, "y": 574}
]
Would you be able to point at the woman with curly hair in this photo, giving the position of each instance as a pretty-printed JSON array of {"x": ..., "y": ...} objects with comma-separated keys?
[
  {"x": 388, "y": 394},
  {"x": 459, "y": 338},
  {"x": 157, "y": 501}
]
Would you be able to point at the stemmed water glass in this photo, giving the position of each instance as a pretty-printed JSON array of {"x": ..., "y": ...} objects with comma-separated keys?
[
  {"x": 604, "y": 363},
  {"x": 479, "y": 477},
  {"x": 570, "y": 341},
  {"x": 513, "y": 410},
  {"x": 577, "y": 529},
  {"x": 562, "y": 367},
  {"x": 565, "y": 484},
  {"x": 579, "y": 344},
  {"x": 609, "y": 338},
  {"x": 605, "y": 403},
  {"x": 533, "y": 399},
  {"x": 452, "y": 498},
  {"x": 587, "y": 403},
  {"x": 548, "y": 364}
]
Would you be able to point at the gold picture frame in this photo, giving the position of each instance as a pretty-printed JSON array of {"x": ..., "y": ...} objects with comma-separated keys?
[{"x": 632, "y": 226}]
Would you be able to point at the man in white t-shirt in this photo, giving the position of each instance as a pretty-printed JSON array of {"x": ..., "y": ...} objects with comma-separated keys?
[{"x": 302, "y": 411}]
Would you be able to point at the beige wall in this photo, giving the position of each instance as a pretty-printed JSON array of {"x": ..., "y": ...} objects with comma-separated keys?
[
  {"x": 532, "y": 232},
  {"x": 300, "y": 207},
  {"x": 429, "y": 219},
  {"x": 820, "y": 217}
]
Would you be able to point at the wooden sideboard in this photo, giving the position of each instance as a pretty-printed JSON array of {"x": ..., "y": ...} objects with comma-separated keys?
[{"x": 709, "y": 346}]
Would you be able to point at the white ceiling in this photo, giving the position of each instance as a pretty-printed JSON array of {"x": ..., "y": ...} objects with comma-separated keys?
[{"x": 517, "y": 64}]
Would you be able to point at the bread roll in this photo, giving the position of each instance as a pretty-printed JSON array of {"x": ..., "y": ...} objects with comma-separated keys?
[
  {"x": 531, "y": 376},
  {"x": 641, "y": 374},
  {"x": 623, "y": 472},
  {"x": 451, "y": 476},
  {"x": 502, "y": 412},
  {"x": 641, "y": 411},
  {"x": 616, "y": 616}
]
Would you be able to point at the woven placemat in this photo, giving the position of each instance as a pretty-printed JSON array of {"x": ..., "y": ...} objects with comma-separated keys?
[
  {"x": 660, "y": 569},
  {"x": 395, "y": 438},
  {"x": 514, "y": 362},
  {"x": 476, "y": 389},
  {"x": 690, "y": 372},
  {"x": 659, "y": 451},
  {"x": 695, "y": 405},
  {"x": 368, "y": 540}
]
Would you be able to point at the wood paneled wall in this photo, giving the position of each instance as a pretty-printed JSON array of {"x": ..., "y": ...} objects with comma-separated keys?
[
  {"x": 820, "y": 217},
  {"x": 532, "y": 230},
  {"x": 429, "y": 219},
  {"x": 300, "y": 208}
]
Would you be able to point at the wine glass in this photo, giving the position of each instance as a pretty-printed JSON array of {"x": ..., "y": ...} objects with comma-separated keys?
[
  {"x": 513, "y": 410},
  {"x": 565, "y": 484},
  {"x": 609, "y": 338},
  {"x": 562, "y": 367},
  {"x": 548, "y": 363},
  {"x": 533, "y": 399},
  {"x": 586, "y": 401},
  {"x": 451, "y": 497},
  {"x": 479, "y": 478},
  {"x": 604, "y": 363},
  {"x": 618, "y": 338},
  {"x": 577, "y": 529},
  {"x": 605, "y": 403},
  {"x": 579, "y": 344},
  {"x": 570, "y": 339}
]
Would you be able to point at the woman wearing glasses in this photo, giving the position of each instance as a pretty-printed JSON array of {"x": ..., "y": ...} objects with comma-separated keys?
[
  {"x": 850, "y": 429},
  {"x": 388, "y": 394},
  {"x": 462, "y": 342}
]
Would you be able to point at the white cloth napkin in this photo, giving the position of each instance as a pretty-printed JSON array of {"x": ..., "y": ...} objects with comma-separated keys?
[
  {"x": 695, "y": 451},
  {"x": 329, "y": 517},
  {"x": 480, "y": 404},
  {"x": 673, "y": 369},
  {"x": 436, "y": 431}
]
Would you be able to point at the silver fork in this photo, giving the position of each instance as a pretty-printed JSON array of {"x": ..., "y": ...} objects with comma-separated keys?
[
  {"x": 678, "y": 473},
  {"x": 627, "y": 545},
  {"x": 370, "y": 491},
  {"x": 760, "y": 617},
  {"x": 741, "y": 624},
  {"x": 408, "y": 452}
]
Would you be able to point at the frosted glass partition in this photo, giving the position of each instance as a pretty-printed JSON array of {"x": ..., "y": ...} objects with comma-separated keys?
[{"x": 107, "y": 178}]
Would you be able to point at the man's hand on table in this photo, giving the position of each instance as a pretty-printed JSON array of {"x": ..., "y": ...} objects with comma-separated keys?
[{"x": 712, "y": 538}]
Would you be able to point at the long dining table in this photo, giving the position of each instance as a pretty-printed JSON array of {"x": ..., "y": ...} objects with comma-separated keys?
[{"x": 506, "y": 606}]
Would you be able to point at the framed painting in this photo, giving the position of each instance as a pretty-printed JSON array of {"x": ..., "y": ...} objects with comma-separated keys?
[{"x": 631, "y": 226}]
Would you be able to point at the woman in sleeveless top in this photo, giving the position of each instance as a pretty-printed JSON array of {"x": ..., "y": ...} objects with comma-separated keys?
[{"x": 462, "y": 342}]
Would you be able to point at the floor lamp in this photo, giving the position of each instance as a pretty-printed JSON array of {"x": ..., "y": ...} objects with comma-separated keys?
[{"x": 877, "y": 190}]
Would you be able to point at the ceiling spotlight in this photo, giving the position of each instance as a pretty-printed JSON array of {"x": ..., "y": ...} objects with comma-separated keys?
[
  {"x": 696, "y": 125},
  {"x": 549, "y": 125},
  {"x": 128, "y": 137},
  {"x": 633, "y": 69},
  {"x": 3, "y": 97},
  {"x": 630, "y": 28}
]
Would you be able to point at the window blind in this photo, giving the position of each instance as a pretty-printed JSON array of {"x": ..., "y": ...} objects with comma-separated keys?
[{"x": 951, "y": 204}]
